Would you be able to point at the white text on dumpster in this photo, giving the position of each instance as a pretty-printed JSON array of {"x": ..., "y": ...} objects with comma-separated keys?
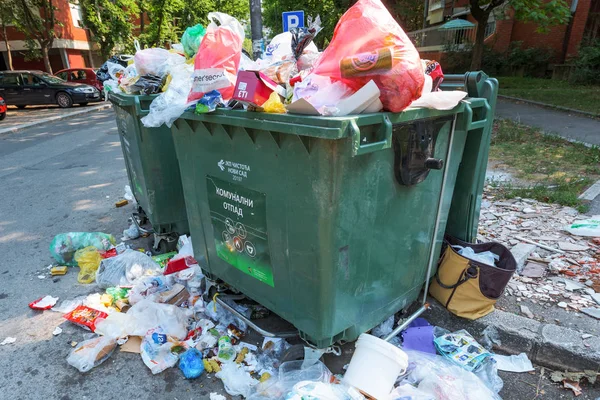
[{"x": 237, "y": 198}]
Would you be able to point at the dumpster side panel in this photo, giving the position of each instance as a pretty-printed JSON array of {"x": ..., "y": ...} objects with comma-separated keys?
[{"x": 152, "y": 165}]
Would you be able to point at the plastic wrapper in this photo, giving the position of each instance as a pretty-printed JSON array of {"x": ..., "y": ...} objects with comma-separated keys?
[
  {"x": 281, "y": 71},
  {"x": 91, "y": 353},
  {"x": 433, "y": 69},
  {"x": 64, "y": 245},
  {"x": 169, "y": 106},
  {"x": 86, "y": 317},
  {"x": 88, "y": 259},
  {"x": 385, "y": 328},
  {"x": 443, "y": 380},
  {"x": 126, "y": 269},
  {"x": 307, "y": 61},
  {"x": 209, "y": 102},
  {"x": 368, "y": 44},
  {"x": 218, "y": 58},
  {"x": 190, "y": 363},
  {"x": 149, "y": 288},
  {"x": 290, "y": 373},
  {"x": 274, "y": 105},
  {"x": 191, "y": 39},
  {"x": 321, "y": 93},
  {"x": 155, "y": 61},
  {"x": 309, "y": 390},
  {"x": 462, "y": 349},
  {"x": 303, "y": 36},
  {"x": 131, "y": 233},
  {"x": 237, "y": 381},
  {"x": 43, "y": 303},
  {"x": 219, "y": 314},
  {"x": 158, "y": 351},
  {"x": 409, "y": 392},
  {"x": 486, "y": 257}
]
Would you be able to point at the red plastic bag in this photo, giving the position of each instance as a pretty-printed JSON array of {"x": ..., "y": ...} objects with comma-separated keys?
[
  {"x": 368, "y": 44},
  {"x": 218, "y": 57}
]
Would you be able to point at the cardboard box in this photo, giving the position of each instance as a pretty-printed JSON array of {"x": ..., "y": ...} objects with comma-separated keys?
[{"x": 254, "y": 87}]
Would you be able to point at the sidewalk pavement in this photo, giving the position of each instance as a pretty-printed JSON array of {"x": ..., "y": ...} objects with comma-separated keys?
[
  {"x": 17, "y": 119},
  {"x": 568, "y": 126}
]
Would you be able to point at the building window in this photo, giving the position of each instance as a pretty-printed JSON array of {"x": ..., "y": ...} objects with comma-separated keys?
[
  {"x": 435, "y": 4},
  {"x": 76, "y": 15}
]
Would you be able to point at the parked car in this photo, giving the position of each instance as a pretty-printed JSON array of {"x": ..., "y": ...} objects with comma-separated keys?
[
  {"x": 23, "y": 88},
  {"x": 80, "y": 75},
  {"x": 2, "y": 109}
]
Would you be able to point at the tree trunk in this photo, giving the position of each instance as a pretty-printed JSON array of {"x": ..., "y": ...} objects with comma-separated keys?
[
  {"x": 477, "y": 56},
  {"x": 45, "y": 48},
  {"x": 6, "y": 42}
]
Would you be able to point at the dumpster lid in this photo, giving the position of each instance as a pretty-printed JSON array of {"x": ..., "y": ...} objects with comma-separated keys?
[{"x": 315, "y": 126}]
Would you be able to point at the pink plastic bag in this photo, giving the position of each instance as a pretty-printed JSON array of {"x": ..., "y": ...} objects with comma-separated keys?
[
  {"x": 368, "y": 44},
  {"x": 218, "y": 57}
]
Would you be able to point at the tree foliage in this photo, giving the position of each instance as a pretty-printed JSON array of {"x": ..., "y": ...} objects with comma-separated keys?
[
  {"x": 544, "y": 13},
  {"x": 37, "y": 20},
  {"x": 109, "y": 22},
  {"x": 169, "y": 18},
  {"x": 6, "y": 18}
]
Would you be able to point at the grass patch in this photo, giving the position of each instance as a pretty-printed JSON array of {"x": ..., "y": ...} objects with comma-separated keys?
[
  {"x": 556, "y": 170},
  {"x": 552, "y": 91}
]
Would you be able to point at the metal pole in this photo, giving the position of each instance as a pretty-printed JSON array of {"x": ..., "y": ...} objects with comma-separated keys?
[{"x": 256, "y": 28}]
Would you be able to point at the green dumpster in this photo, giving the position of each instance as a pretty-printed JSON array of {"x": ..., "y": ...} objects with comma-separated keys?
[
  {"x": 152, "y": 169},
  {"x": 334, "y": 224}
]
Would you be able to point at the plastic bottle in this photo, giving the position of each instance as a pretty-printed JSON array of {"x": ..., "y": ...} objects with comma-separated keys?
[{"x": 226, "y": 350}]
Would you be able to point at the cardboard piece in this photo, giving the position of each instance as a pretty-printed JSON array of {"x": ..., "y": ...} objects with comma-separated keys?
[
  {"x": 177, "y": 295},
  {"x": 133, "y": 345},
  {"x": 254, "y": 87},
  {"x": 365, "y": 100}
]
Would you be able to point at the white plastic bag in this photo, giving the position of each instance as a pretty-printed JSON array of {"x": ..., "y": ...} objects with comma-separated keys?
[
  {"x": 155, "y": 61},
  {"x": 125, "y": 269},
  {"x": 280, "y": 49},
  {"x": 143, "y": 317},
  {"x": 91, "y": 353},
  {"x": 442, "y": 379},
  {"x": 236, "y": 379},
  {"x": 156, "y": 355},
  {"x": 486, "y": 257},
  {"x": 586, "y": 227},
  {"x": 169, "y": 106}
]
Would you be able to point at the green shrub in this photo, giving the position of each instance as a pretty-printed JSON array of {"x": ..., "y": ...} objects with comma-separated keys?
[
  {"x": 534, "y": 60},
  {"x": 587, "y": 66}
]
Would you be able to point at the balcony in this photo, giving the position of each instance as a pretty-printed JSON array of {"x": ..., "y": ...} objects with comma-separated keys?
[{"x": 435, "y": 39}]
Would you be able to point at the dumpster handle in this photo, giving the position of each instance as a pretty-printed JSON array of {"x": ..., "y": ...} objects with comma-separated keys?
[
  {"x": 252, "y": 324},
  {"x": 436, "y": 229},
  {"x": 385, "y": 132}
]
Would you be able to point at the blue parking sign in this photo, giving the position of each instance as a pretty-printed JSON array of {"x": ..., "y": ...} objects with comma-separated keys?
[{"x": 292, "y": 19}]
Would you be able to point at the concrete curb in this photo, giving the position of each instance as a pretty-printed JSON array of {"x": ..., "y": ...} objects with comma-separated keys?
[
  {"x": 591, "y": 193},
  {"x": 551, "y": 106},
  {"x": 55, "y": 118},
  {"x": 548, "y": 345}
]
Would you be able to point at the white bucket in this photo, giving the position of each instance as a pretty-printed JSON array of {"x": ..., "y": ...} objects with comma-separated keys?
[{"x": 375, "y": 366}]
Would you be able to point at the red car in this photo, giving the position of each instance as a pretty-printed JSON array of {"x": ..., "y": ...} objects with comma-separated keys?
[
  {"x": 2, "y": 109},
  {"x": 80, "y": 75}
]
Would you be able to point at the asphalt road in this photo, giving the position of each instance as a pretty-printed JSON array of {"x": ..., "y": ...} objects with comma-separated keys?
[{"x": 66, "y": 176}]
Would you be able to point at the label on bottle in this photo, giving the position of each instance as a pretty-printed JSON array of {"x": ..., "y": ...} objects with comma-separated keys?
[{"x": 371, "y": 63}]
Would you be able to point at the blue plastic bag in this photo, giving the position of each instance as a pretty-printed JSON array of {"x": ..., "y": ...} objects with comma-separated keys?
[{"x": 190, "y": 363}]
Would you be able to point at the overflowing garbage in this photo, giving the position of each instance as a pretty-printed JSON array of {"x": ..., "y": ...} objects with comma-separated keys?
[{"x": 370, "y": 65}]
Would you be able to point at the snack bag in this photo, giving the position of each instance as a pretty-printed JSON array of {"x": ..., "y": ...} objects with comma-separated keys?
[
  {"x": 218, "y": 57},
  {"x": 86, "y": 317},
  {"x": 368, "y": 44}
]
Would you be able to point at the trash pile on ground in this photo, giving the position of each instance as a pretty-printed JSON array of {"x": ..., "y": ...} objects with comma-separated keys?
[
  {"x": 161, "y": 307},
  {"x": 557, "y": 252},
  {"x": 370, "y": 65}
]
